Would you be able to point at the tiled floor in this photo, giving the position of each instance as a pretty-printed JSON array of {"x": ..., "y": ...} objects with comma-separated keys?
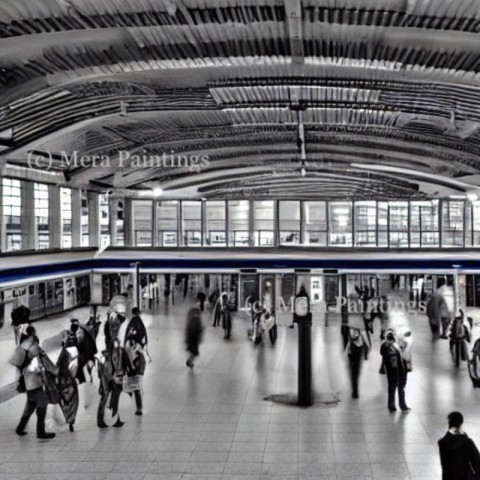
[{"x": 213, "y": 422}]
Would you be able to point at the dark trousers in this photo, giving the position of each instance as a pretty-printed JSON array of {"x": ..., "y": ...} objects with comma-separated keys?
[
  {"x": 138, "y": 399},
  {"x": 114, "y": 396},
  {"x": 36, "y": 401},
  {"x": 397, "y": 378},
  {"x": 355, "y": 360}
]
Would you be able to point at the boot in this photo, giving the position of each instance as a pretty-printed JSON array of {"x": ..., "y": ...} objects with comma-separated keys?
[
  {"x": 20, "y": 430},
  {"x": 46, "y": 435},
  {"x": 119, "y": 423},
  {"x": 102, "y": 425}
]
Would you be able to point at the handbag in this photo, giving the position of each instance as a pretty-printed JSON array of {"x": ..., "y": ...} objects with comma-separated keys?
[{"x": 18, "y": 357}]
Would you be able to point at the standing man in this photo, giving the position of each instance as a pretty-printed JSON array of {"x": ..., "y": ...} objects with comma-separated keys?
[
  {"x": 458, "y": 454},
  {"x": 37, "y": 400},
  {"x": 357, "y": 349},
  {"x": 395, "y": 369}
]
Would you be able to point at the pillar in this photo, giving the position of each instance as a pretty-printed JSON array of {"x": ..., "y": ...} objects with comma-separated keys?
[
  {"x": 28, "y": 216},
  {"x": 112, "y": 219},
  {"x": 3, "y": 239},
  {"x": 93, "y": 219},
  {"x": 76, "y": 218},
  {"x": 154, "y": 224},
  {"x": 55, "y": 220},
  {"x": 128, "y": 221}
]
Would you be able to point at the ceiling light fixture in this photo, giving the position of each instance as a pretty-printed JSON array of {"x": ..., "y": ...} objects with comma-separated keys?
[{"x": 157, "y": 192}]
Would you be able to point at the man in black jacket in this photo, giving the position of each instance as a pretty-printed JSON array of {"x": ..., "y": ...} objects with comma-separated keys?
[{"x": 458, "y": 454}]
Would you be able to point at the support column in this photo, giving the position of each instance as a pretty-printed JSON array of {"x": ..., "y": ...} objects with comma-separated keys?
[
  {"x": 28, "y": 216},
  {"x": 55, "y": 220},
  {"x": 112, "y": 220},
  {"x": 76, "y": 216},
  {"x": 251, "y": 223},
  {"x": 128, "y": 222},
  {"x": 93, "y": 219},
  {"x": 154, "y": 224}
]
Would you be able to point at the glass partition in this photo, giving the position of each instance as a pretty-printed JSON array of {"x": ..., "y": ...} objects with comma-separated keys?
[
  {"x": 66, "y": 216},
  {"x": 316, "y": 223},
  {"x": 119, "y": 226},
  {"x": 476, "y": 224},
  {"x": 366, "y": 224},
  {"x": 398, "y": 224},
  {"x": 424, "y": 224},
  {"x": 340, "y": 223},
  {"x": 452, "y": 223},
  {"x": 192, "y": 223},
  {"x": 42, "y": 216},
  {"x": 84, "y": 223},
  {"x": 382, "y": 215},
  {"x": 216, "y": 234},
  {"x": 289, "y": 222},
  {"x": 142, "y": 222},
  {"x": 238, "y": 228},
  {"x": 104, "y": 209},
  {"x": 264, "y": 223},
  {"x": 167, "y": 220},
  {"x": 12, "y": 213}
]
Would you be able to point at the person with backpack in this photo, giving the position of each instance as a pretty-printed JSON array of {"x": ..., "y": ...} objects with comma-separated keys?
[
  {"x": 459, "y": 336},
  {"x": 133, "y": 380},
  {"x": 357, "y": 349},
  {"x": 136, "y": 329},
  {"x": 395, "y": 369},
  {"x": 459, "y": 455},
  {"x": 37, "y": 400}
]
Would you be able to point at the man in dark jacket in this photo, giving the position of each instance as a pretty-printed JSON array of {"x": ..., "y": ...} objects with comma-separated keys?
[
  {"x": 136, "y": 330},
  {"x": 458, "y": 454}
]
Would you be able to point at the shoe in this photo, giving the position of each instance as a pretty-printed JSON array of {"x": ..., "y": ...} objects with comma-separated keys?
[
  {"x": 70, "y": 427},
  {"x": 20, "y": 433},
  {"x": 291, "y": 326},
  {"x": 102, "y": 425},
  {"x": 405, "y": 408},
  {"x": 354, "y": 395},
  {"x": 119, "y": 423},
  {"x": 46, "y": 435},
  {"x": 138, "y": 412},
  {"x": 392, "y": 409}
]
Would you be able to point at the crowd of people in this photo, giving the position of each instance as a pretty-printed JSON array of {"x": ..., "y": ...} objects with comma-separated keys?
[{"x": 120, "y": 366}]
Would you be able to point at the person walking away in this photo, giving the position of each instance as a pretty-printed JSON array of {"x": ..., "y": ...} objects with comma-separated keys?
[
  {"x": 193, "y": 334},
  {"x": 136, "y": 329},
  {"x": 459, "y": 455},
  {"x": 37, "y": 400},
  {"x": 357, "y": 349},
  {"x": 395, "y": 370},
  {"x": 133, "y": 380}
]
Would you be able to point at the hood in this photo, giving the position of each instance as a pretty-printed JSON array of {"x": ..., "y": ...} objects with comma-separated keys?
[{"x": 455, "y": 441}]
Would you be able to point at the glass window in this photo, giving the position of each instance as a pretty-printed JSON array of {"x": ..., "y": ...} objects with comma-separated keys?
[
  {"x": 12, "y": 213},
  {"x": 119, "y": 224},
  {"x": 382, "y": 235},
  {"x": 42, "y": 214},
  {"x": 238, "y": 228},
  {"x": 476, "y": 223},
  {"x": 340, "y": 219},
  {"x": 104, "y": 210},
  {"x": 192, "y": 223},
  {"x": 452, "y": 223},
  {"x": 424, "y": 224},
  {"x": 216, "y": 235},
  {"x": 398, "y": 224},
  {"x": 84, "y": 224},
  {"x": 316, "y": 223},
  {"x": 289, "y": 222},
  {"x": 366, "y": 224},
  {"x": 66, "y": 216},
  {"x": 142, "y": 222},
  {"x": 264, "y": 223},
  {"x": 167, "y": 221}
]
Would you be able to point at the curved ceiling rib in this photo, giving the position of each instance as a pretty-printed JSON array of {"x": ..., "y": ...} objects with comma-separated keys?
[{"x": 264, "y": 87}]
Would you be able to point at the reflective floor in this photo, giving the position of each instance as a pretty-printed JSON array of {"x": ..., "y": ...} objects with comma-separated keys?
[{"x": 212, "y": 422}]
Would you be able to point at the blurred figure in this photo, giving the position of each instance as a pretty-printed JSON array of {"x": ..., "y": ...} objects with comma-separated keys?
[
  {"x": 357, "y": 349},
  {"x": 193, "y": 334},
  {"x": 395, "y": 370},
  {"x": 37, "y": 400},
  {"x": 459, "y": 455},
  {"x": 459, "y": 338}
]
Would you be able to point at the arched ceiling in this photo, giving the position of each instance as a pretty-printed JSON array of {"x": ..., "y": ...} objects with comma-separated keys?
[{"x": 372, "y": 98}]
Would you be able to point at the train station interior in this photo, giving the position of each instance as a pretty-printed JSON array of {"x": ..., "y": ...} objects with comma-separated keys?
[{"x": 283, "y": 193}]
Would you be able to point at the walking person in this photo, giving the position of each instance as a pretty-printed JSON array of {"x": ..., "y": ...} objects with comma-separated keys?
[
  {"x": 133, "y": 380},
  {"x": 193, "y": 334},
  {"x": 357, "y": 349},
  {"x": 459, "y": 455},
  {"x": 395, "y": 370},
  {"x": 37, "y": 400}
]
